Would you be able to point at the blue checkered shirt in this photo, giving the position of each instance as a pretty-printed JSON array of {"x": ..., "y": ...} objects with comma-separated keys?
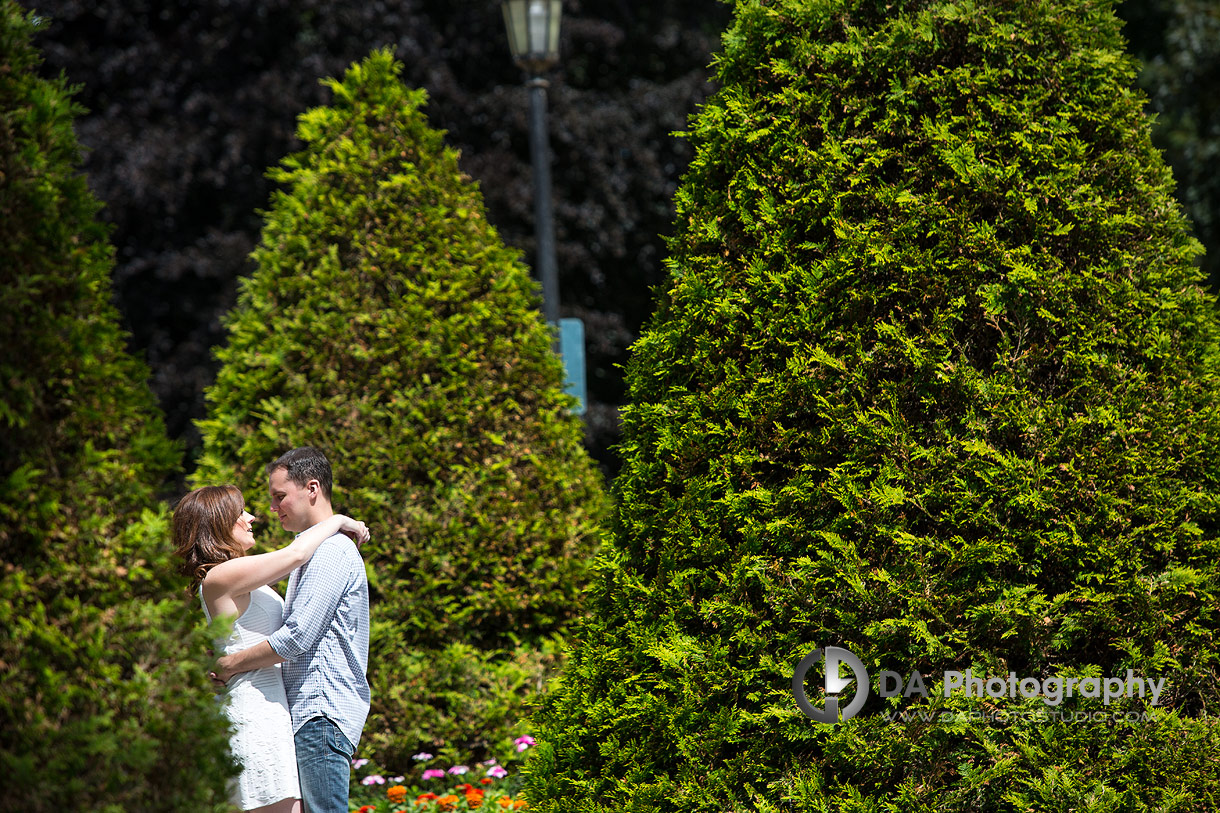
[{"x": 325, "y": 639}]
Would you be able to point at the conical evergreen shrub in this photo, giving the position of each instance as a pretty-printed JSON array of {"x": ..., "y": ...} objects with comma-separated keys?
[
  {"x": 934, "y": 380},
  {"x": 388, "y": 325},
  {"x": 104, "y": 704}
]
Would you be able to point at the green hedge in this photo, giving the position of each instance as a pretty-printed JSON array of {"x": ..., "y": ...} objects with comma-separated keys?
[
  {"x": 934, "y": 379},
  {"x": 104, "y": 705},
  {"x": 387, "y": 324}
]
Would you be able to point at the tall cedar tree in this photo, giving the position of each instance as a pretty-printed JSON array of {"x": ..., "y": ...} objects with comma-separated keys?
[
  {"x": 388, "y": 325},
  {"x": 104, "y": 704},
  {"x": 935, "y": 380}
]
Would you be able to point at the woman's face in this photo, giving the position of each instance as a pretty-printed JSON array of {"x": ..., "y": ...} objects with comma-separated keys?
[{"x": 243, "y": 530}]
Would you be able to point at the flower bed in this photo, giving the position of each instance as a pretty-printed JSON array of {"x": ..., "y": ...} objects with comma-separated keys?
[{"x": 435, "y": 784}]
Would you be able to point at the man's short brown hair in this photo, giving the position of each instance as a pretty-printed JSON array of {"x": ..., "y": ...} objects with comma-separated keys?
[{"x": 303, "y": 464}]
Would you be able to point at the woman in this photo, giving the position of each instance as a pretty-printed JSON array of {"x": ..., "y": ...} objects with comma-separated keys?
[{"x": 212, "y": 532}]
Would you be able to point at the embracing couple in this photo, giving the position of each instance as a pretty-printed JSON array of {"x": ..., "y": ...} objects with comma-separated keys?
[{"x": 295, "y": 669}]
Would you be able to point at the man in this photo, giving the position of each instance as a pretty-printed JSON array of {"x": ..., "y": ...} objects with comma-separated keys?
[{"x": 324, "y": 643}]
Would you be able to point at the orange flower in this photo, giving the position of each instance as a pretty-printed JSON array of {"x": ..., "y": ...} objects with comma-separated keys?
[
  {"x": 487, "y": 780},
  {"x": 396, "y": 794},
  {"x": 474, "y": 797},
  {"x": 447, "y": 801},
  {"x": 426, "y": 797},
  {"x": 366, "y": 809},
  {"x": 520, "y": 804},
  {"x": 505, "y": 802}
]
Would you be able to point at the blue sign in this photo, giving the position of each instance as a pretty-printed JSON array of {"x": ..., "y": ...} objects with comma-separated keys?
[{"x": 572, "y": 350}]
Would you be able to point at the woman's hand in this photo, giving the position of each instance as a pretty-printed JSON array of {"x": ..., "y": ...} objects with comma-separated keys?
[{"x": 355, "y": 529}]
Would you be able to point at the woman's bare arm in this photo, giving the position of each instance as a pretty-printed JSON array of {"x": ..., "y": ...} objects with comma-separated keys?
[{"x": 237, "y": 577}]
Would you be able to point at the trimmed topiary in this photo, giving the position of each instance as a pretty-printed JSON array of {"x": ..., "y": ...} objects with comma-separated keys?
[
  {"x": 388, "y": 325},
  {"x": 104, "y": 703},
  {"x": 935, "y": 380}
]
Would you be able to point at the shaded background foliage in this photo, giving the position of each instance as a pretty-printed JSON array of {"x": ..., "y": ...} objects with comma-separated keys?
[
  {"x": 1179, "y": 43},
  {"x": 189, "y": 101}
]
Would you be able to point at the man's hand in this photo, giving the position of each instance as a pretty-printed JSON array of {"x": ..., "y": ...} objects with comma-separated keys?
[
  {"x": 221, "y": 673},
  {"x": 259, "y": 656}
]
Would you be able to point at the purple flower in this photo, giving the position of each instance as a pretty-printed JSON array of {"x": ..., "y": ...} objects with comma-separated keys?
[
  {"x": 359, "y": 763},
  {"x": 434, "y": 773},
  {"x": 422, "y": 757},
  {"x": 524, "y": 742},
  {"x": 373, "y": 779},
  {"x": 458, "y": 769},
  {"x": 497, "y": 772}
]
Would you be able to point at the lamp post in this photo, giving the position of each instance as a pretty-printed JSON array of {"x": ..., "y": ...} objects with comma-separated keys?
[{"x": 533, "y": 37}]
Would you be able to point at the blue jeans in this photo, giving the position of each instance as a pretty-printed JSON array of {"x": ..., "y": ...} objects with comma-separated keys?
[{"x": 324, "y": 763}]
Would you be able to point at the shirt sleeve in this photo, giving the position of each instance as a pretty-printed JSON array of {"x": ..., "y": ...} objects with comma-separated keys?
[{"x": 315, "y": 601}]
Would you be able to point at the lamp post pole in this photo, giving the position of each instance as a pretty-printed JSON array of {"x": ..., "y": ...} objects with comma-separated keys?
[
  {"x": 544, "y": 220},
  {"x": 533, "y": 37}
]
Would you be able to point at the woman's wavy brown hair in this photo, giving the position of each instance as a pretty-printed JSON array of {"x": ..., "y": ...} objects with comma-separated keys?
[{"x": 203, "y": 530}]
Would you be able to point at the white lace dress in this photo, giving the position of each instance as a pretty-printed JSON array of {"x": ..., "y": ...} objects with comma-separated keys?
[{"x": 257, "y": 708}]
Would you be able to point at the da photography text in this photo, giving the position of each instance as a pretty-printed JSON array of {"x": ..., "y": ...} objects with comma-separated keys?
[{"x": 1052, "y": 690}]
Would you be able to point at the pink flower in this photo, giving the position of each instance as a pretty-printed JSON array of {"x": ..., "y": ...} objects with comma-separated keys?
[
  {"x": 434, "y": 773},
  {"x": 422, "y": 757},
  {"x": 359, "y": 763},
  {"x": 497, "y": 772},
  {"x": 373, "y": 779},
  {"x": 458, "y": 769},
  {"x": 524, "y": 742}
]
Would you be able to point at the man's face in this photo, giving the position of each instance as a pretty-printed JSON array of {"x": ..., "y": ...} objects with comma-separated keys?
[{"x": 290, "y": 502}]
